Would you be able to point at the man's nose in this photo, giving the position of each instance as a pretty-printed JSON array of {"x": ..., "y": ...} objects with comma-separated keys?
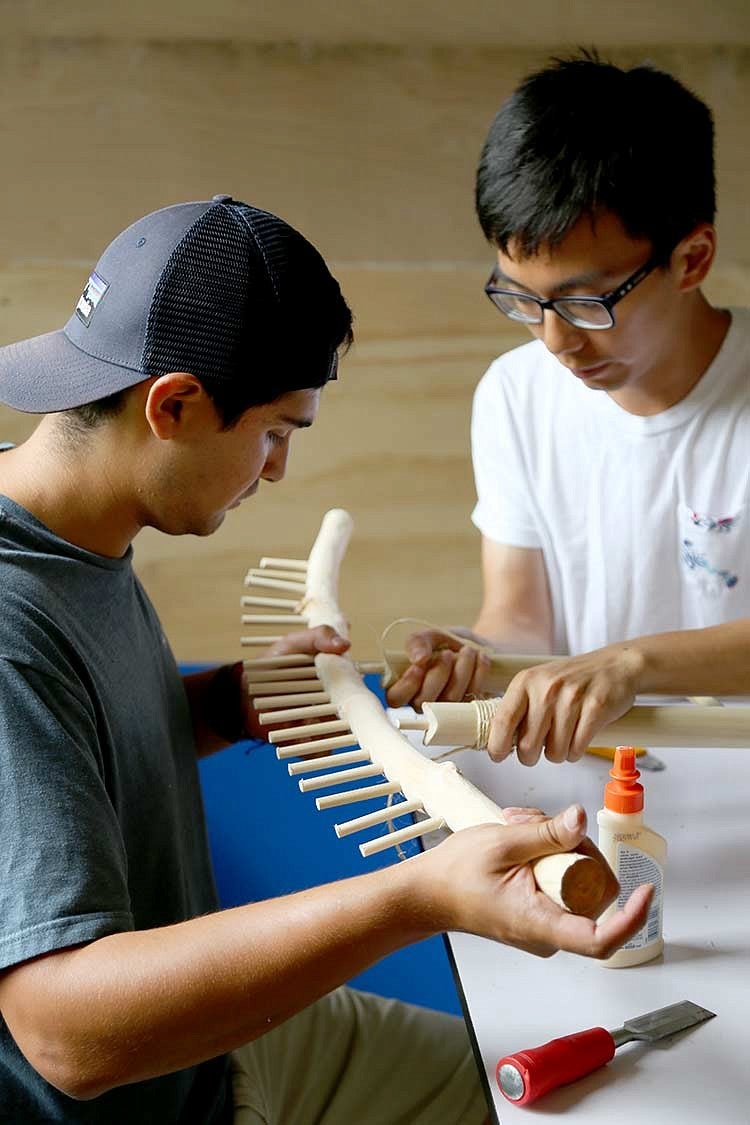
[
  {"x": 560, "y": 337},
  {"x": 275, "y": 466}
]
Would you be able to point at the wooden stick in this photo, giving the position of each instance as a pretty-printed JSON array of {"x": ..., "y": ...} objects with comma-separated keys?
[
  {"x": 272, "y": 619},
  {"x": 685, "y": 725},
  {"x": 248, "y": 642},
  {"x": 278, "y": 675},
  {"x": 275, "y": 584},
  {"x": 340, "y": 777},
  {"x": 392, "y": 812},
  {"x": 394, "y": 839},
  {"x": 284, "y": 575},
  {"x": 269, "y": 702},
  {"x": 291, "y": 713},
  {"x": 283, "y": 687},
  {"x": 292, "y": 660},
  {"x": 340, "y": 758},
  {"x": 351, "y": 796},
  {"x": 315, "y": 746},
  {"x": 503, "y": 667},
  {"x": 272, "y": 603},
  {"x": 284, "y": 564},
  {"x": 312, "y": 730}
]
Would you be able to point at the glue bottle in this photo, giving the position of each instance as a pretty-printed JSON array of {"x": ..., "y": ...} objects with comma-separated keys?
[{"x": 635, "y": 853}]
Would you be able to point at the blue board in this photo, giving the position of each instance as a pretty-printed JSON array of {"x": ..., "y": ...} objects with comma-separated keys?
[{"x": 268, "y": 839}]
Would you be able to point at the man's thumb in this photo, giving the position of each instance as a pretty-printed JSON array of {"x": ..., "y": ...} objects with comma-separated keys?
[{"x": 562, "y": 832}]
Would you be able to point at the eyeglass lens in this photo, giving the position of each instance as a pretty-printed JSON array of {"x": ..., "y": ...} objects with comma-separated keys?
[{"x": 582, "y": 314}]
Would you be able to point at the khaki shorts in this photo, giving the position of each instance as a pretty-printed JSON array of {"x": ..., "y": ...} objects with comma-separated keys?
[{"x": 357, "y": 1059}]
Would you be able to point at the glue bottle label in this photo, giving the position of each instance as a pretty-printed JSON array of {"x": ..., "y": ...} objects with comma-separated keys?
[{"x": 633, "y": 868}]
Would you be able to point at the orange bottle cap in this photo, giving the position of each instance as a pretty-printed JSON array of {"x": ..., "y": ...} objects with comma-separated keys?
[{"x": 624, "y": 793}]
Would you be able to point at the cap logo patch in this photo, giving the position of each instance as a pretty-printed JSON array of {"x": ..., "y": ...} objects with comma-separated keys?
[{"x": 95, "y": 289}]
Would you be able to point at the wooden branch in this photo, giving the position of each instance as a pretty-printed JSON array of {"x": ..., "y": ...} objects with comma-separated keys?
[
  {"x": 503, "y": 667},
  {"x": 686, "y": 725},
  {"x": 583, "y": 883}
]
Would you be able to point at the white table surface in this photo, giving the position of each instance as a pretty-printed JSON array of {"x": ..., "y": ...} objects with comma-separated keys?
[{"x": 701, "y": 804}]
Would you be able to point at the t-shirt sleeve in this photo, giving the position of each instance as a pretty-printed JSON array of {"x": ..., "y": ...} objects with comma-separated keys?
[
  {"x": 63, "y": 869},
  {"x": 503, "y": 512}
]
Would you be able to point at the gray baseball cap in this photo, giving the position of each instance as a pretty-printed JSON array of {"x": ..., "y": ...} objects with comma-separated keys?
[{"x": 217, "y": 288}]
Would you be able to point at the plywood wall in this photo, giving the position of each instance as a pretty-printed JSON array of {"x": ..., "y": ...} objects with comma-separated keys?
[{"x": 370, "y": 151}]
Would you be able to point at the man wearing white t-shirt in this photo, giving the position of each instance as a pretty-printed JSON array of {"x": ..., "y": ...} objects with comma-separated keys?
[{"x": 612, "y": 454}]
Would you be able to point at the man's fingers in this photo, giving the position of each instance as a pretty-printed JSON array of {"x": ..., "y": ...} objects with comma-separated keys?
[
  {"x": 561, "y": 833},
  {"x": 575, "y": 934},
  {"x": 515, "y": 815},
  {"x": 481, "y": 672},
  {"x": 461, "y": 675},
  {"x": 420, "y": 646},
  {"x": 310, "y": 641},
  {"x": 509, "y": 714},
  {"x": 436, "y": 678},
  {"x": 406, "y": 687},
  {"x": 589, "y": 725}
]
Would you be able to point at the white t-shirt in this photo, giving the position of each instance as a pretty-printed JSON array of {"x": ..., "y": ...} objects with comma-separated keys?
[{"x": 643, "y": 521}]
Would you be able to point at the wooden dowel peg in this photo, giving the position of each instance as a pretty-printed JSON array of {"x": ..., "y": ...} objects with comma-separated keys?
[
  {"x": 281, "y": 687},
  {"x": 278, "y": 675},
  {"x": 341, "y": 777},
  {"x": 341, "y": 758},
  {"x": 393, "y": 839},
  {"x": 272, "y": 619},
  {"x": 270, "y": 702},
  {"x": 312, "y": 730},
  {"x": 351, "y": 796},
  {"x": 417, "y": 723},
  {"x": 249, "y": 642},
  {"x": 270, "y": 603},
  {"x": 275, "y": 584},
  {"x": 269, "y": 718},
  {"x": 283, "y": 564},
  {"x": 297, "y": 749},
  {"x": 370, "y": 667},
  {"x": 284, "y": 575},
  {"x": 292, "y": 660},
  {"x": 392, "y": 812}
]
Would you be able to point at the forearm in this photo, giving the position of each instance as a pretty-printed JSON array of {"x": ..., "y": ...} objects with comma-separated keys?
[
  {"x": 711, "y": 661},
  {"x": 134, "y": 1005},
  {"x": 513, "y": 632},
  {"x": 219, "y": 713}
]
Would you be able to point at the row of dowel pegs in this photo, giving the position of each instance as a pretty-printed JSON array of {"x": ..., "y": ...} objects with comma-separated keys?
[{"x": 286, "y": 690}]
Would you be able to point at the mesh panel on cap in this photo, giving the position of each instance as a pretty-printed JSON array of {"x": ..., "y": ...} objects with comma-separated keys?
[{"x": 214, "y": 290}]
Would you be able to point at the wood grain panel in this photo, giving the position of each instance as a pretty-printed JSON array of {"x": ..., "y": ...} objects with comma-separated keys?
[{"x": 415, "y": 24}]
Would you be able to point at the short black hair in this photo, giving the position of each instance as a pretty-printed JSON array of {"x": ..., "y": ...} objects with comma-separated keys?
[{"x": 582, "y": 137}]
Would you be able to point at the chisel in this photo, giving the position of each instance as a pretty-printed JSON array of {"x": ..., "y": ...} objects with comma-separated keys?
[{"x": 526, "y": 1075}]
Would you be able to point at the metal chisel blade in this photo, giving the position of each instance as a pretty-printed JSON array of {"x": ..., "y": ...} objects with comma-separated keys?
[{"x": 667, "y": 1021}]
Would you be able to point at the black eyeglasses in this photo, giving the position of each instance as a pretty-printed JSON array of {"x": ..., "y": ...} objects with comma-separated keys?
[{"x": 592, "y": 313}]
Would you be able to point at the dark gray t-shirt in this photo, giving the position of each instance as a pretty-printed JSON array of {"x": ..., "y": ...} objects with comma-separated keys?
[{"x": 101, "y": 818}]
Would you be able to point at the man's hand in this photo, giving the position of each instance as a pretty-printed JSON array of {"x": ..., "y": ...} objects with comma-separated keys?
[
  {"x": 559, "y": 707},
  {"x": 310, "y": 641},
  {"x": 441, "y": 668},
  {"x": 480, "y": 881}
]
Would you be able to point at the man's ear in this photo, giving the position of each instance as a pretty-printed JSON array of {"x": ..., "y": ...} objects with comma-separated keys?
[
  {"x": 693, "y": 257},
  {"x": 172, "y": 402}
]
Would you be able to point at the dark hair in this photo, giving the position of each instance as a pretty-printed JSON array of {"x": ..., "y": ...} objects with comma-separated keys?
[{"x": 583, "y": 136}]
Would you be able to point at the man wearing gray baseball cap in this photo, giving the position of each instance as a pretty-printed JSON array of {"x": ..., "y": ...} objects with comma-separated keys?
[{"x": 201, "y": 342}]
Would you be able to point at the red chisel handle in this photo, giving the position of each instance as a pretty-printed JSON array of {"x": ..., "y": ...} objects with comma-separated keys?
[{"x": 526, "y": 1075}]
